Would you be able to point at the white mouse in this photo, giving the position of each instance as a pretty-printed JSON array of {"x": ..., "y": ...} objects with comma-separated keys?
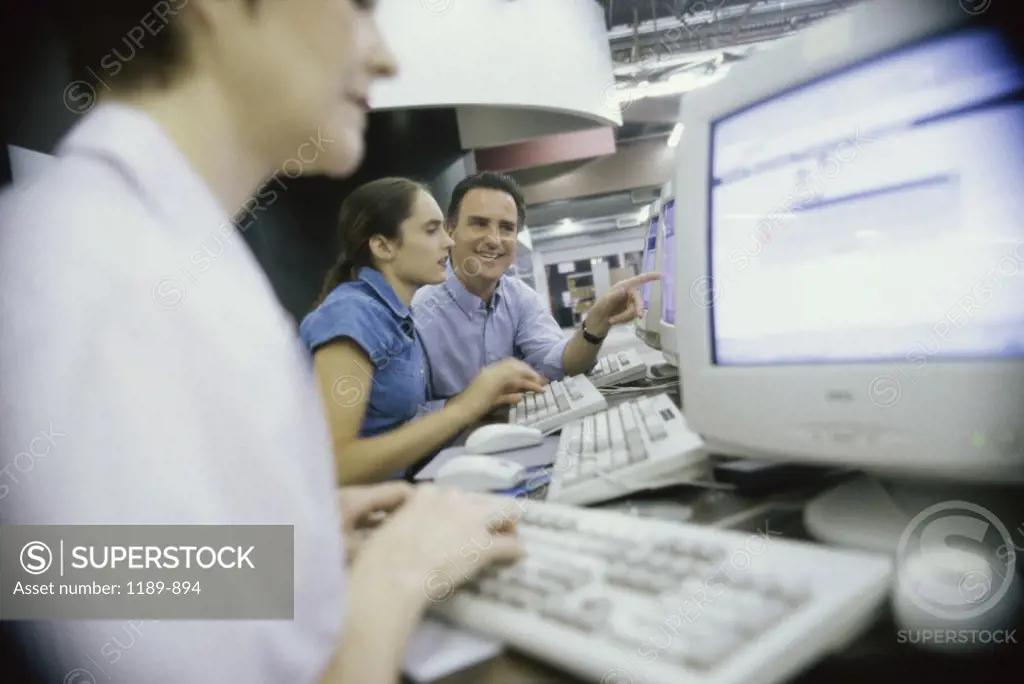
[
  {"x": 472, "y": 473},
  {"x": 498, "y": 437}
]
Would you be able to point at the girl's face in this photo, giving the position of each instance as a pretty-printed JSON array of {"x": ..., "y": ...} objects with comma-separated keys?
[{"x": 422, "y": 256}]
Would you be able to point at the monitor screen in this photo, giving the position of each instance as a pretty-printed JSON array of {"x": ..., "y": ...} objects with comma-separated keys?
[
  {"x": 874, "y": 214},
  {"x": 668, "y": 266},
  {"x": 650, "y": 253}
]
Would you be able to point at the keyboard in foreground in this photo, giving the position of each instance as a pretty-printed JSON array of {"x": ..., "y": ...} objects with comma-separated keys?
[
  {"x": 614, "y": 598},
  {"x": 623, "y": 450}
]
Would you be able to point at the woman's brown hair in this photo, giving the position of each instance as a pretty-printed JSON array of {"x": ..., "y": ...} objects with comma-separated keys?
[{"x": 375, "y": 208}]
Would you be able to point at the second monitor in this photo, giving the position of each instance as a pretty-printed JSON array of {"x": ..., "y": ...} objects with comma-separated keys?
[
  {"x": 667, "y": 313},
  {"x": 648, "y": 327}
]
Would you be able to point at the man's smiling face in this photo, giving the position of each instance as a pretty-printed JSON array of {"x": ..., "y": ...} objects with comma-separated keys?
[{"x": 485, "y": 235}]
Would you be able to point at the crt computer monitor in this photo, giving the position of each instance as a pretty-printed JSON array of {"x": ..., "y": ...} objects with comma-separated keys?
[
  {"x": 647, "y": 327},
  {"x": 850, "y": 285},
  {"x": 668, "y": 291}
]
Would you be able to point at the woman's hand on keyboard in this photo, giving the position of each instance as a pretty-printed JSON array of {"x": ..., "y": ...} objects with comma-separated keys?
[
  {"x": 363, "y": 507},
  {"x": 441, "y": 538},
  {"x": 506, "y": 400},
  {"x": 500, "y": 384}
]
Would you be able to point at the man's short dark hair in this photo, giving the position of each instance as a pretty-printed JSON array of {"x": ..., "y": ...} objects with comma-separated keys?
[
  {"x": 124, "y": 45},
  {"x": 489, "y": 180}
]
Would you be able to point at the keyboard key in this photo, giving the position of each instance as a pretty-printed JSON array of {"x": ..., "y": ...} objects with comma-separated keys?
[
  {"x": 645, "y": 408},
  {"x": 576, "y": 442},
  {"x": 640, "y": 580},
  {"x": 546, "y": 402},
  {"x": 615, "y": 436},
  {"x": 569, "y": 578},
  {"x": 628, "y": 419},
  {"x": 588, "y": 469},
  {"x": 705, "y": 654},
  {"x": 655, "y": 428},
  {"x": 659, "y": 562},
  {"x": 763, "y": 615},
  {"x": 568, "y": 614},
  {"x": 562, "y": 401},
  {"x": 635, "y": 445},
  {"x": 601, "y": 432},
  {"x": 518, "y": 597},
  {"x": 597, "y": 606},
  {"x": 619, "y": 458},
  {"x": 588, "y": 435}
]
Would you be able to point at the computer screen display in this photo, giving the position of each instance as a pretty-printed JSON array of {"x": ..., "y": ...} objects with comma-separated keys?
[
  {"x": 875, "y": 214},
  {"x": 650, "y": 253},
  {"x": 668, "y": 266}
]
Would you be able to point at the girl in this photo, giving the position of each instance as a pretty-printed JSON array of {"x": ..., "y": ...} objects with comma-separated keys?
[{"x": 368, "y": 358}]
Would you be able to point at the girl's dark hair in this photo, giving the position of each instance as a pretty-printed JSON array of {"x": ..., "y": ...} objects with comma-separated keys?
[{"x": 375, "y": 208}]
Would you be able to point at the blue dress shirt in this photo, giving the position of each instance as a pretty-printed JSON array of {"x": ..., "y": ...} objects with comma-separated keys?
[
  {"x": 368, "y": 312},
  {"x": 461, "y": 334}
]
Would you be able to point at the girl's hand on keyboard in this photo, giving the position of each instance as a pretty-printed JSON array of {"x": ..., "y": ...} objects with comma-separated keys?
[
  {"x": 500, "y": 384},
  {"x": 441, "y": 538}
]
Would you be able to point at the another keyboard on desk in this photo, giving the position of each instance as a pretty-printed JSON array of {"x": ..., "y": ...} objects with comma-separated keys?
[
  {"x": 623, "y": 450},
  {"x": 611, "y": 597},
  {"x": 618, "y": 368},
  {"x": 562, "y": 401}
]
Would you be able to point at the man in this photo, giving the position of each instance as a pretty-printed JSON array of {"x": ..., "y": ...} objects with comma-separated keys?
[
  {"x": 480, "y": 315},
  {"x": 142, "y": 390}
]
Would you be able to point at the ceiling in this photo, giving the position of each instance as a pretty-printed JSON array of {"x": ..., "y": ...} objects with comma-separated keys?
[
  {"x": 657, "y": 45},
  {"x": 663, "y": 47},
  {"x": 679, "y": 27}
]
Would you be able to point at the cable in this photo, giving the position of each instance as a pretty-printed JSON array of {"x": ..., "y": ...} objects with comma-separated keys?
[{"x": 650, "y": 389}]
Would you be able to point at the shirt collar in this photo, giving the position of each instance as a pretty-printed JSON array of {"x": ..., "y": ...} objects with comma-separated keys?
[
  {"x": 142, "y": 151},
  {"x": 380, "y": 285},
  {"x": 466, "y": 300}
]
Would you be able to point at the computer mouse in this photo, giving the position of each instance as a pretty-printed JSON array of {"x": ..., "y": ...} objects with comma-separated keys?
[
  {"x": 479, "y": 473},
  {"x": 493, "y": 439},
  {"x": 951, "y": 590}
]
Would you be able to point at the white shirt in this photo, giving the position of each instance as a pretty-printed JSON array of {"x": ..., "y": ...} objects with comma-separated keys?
[{"x": 124, "y": 403}]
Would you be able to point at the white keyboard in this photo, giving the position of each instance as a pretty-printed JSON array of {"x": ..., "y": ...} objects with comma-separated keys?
[
  {"x": 562, "y": 401},
  {"x": 609, "y": 597},
  {"x": 618, "y": 368},
  {"x": 623, "y": 450}
]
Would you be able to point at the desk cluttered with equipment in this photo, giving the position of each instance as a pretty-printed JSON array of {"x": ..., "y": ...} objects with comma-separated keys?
[
  {"x": 633, "y": 599},
  {"x": 652, "y": 560}
]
